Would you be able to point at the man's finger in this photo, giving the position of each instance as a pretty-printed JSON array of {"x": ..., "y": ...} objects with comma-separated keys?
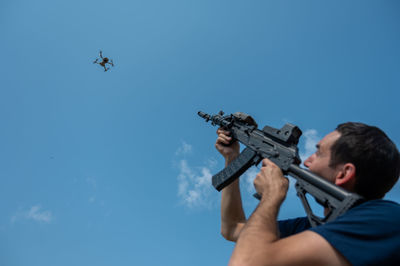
[
  {"x": 222, "y": 131},
  {"x": 223, "y": 139},
  {"x": 267, "y": 162}
]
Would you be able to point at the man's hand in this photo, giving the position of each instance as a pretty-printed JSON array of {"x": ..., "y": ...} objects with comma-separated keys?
[
  {"x": 223, "y": 144},
  {"x": 270, "y": 183}
]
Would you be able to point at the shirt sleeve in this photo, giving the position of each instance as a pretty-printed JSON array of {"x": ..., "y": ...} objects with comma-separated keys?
[{"x": 293, "y": 226}]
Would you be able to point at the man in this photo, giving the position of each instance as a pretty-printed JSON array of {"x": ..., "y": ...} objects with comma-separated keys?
[{"x": 356, "y": 157}]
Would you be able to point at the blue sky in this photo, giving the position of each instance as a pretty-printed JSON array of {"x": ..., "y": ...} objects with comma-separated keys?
[{"x": 113, "y": 168}]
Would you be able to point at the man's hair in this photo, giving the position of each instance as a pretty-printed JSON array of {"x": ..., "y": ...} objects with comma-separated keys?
[{"x": 374, "y": 155}]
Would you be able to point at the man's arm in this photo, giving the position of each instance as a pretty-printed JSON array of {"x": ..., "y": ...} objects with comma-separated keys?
[
  {"x": 259, "y": 242},
  {"x": 232, "y": 214}
]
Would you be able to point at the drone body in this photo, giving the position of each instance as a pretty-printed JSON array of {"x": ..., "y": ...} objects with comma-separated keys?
[{"x": 104, "y": 61}]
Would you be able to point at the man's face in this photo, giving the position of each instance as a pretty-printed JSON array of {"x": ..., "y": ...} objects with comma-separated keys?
[{"x": 318, "y": 163}]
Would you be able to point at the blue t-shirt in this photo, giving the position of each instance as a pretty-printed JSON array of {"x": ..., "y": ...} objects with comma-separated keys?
[{"x": 368, "y": 234}]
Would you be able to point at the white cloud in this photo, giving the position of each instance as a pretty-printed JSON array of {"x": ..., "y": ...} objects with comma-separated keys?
[
  {"x": 311, "y": 139},
  {"x": 194, "y": 185},
  {"x": 35, "y": 213},
  {"x": 248, "y": 179},
  {"x": 211, "y": 163},
  {"x": 184, "y": 149}
]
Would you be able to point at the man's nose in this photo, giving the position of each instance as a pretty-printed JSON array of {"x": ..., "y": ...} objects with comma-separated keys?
[{"x": 308, "y": 161}]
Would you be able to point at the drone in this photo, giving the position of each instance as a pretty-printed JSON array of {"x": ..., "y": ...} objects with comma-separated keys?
[{"x": 103, "y": 61}]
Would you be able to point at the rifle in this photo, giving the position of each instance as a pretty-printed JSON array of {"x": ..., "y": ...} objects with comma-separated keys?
[{"x": 280, "y": 146}]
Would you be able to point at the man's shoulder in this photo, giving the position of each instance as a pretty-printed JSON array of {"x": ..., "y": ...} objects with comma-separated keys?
[
  {"x": 378, "y": 207},
  {"x": 378, "y": 214},
  {"x": 381, "y": 202},
  {"x": 372, "y": 226}
]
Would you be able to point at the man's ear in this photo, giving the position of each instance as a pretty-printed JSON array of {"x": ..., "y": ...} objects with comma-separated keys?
[{"x": 346, "y": 177}]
